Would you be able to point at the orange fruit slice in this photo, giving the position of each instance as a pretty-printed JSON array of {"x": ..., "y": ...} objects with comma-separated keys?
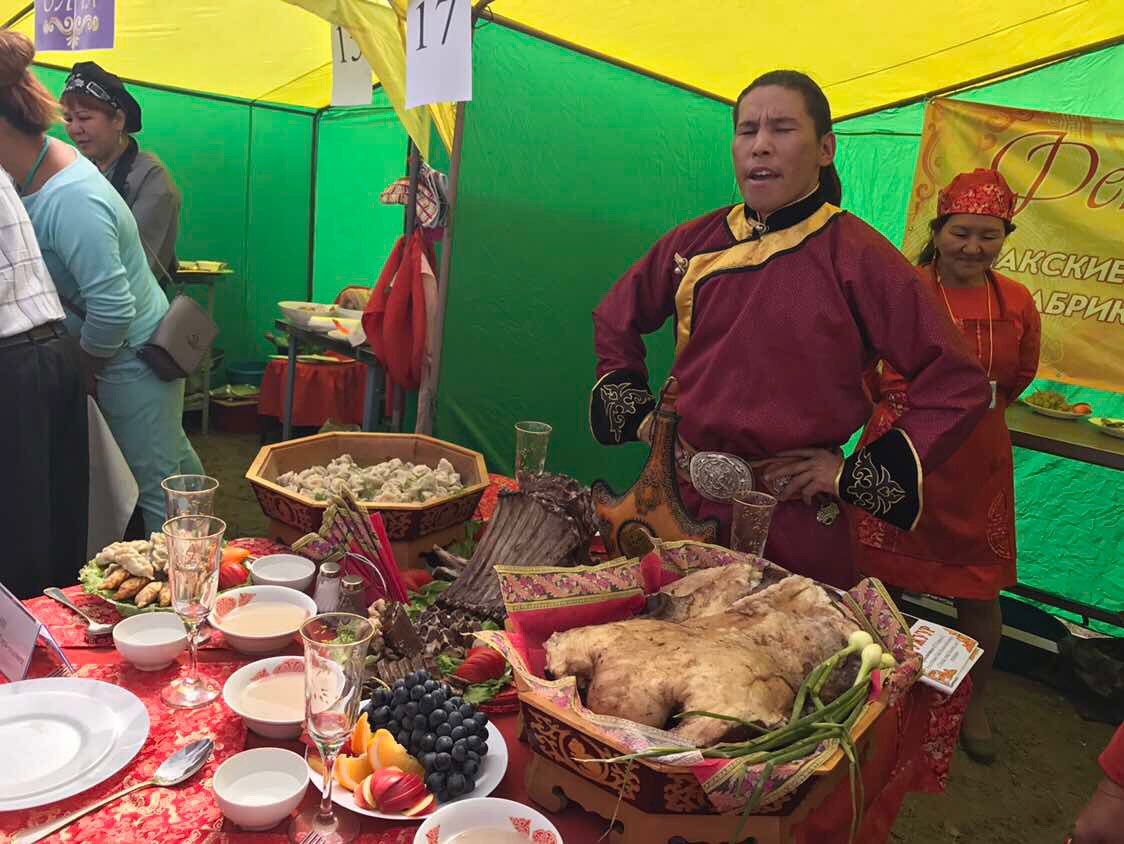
[
  {"x": 316, "y": 763},
  {"x": 352, "y": 770},
  {"x": 361, "y": 736},
  {"x": 383, "y": 750}
]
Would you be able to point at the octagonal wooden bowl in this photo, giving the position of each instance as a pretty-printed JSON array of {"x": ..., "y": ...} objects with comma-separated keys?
[{"x": 403, "y": 522}]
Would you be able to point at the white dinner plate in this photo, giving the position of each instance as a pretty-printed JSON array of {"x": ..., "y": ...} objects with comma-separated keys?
[
  {"x": 68, "y": 734},
  {"x": 1056, "y": 414},
  {"x": 1099, "y": 422},
  {"x": 492, "y": 768}
]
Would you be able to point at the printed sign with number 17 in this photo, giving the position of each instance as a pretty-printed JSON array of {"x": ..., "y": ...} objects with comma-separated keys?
[{"x": 438, "y": 51}]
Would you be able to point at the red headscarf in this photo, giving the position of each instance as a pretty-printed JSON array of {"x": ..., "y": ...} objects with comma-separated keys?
[{"x": 979, "y": 192}]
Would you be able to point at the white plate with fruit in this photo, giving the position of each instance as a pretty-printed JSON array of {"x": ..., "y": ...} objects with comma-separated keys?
[
  {"x": 1053, "y": 404},
  {"x": 459, "y": 753},
  {"x": 1112, "y": 427}
]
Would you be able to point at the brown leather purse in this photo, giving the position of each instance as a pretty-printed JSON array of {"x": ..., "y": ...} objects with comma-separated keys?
[{"x": 652, "y": 507}]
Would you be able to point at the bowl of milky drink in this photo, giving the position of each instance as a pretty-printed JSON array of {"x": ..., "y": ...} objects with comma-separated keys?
[
  {"x": 261, "y": 620},
  {"x": 283, "y": 570},
  {"x": 257, "y": 789},
  {"x": 487, "y": 820},
  {"x": 269, "y": 696}
]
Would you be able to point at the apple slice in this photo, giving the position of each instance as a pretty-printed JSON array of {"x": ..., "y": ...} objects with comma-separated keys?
[
  {"x": 362, "y": 794},
  {"x": 381, "y": 782},
  {"x": 420, "y": 807}
]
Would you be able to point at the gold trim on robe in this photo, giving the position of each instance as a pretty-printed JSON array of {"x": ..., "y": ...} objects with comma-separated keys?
[{"x": 750, "y": 251}]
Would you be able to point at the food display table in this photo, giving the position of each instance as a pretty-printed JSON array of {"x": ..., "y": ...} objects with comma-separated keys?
[
  {"x": 321, "y": 391},
  {"x": 375, "y": 377},
  {"x": 910, "y": 751},
  {"x": 1073, "y": 440}
]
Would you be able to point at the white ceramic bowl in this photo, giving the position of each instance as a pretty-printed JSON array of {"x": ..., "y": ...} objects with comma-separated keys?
[
  {"x": 237, "y": 682},
  {"x": 486, "y": 813},
  {"x": 261, "y": 644},
  {"x": 299, "y": 313},
  {"x": 290, "y": 570},
  {"x": 150, "y": 641},
  {"x": 257, "y": 789}
]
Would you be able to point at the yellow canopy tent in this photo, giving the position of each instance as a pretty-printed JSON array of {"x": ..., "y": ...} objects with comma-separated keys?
[{"x": 866, "y": 54}]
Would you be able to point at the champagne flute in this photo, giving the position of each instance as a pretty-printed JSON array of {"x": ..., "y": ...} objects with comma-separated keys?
[
  {"x": 335, "y": 647},
  {"x": 194, "y": 550}
]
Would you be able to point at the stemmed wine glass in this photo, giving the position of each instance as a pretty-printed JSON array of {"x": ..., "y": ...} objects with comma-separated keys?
[
  {"x": 194, "y": 550},
  {"x": 335, "y": 647}
]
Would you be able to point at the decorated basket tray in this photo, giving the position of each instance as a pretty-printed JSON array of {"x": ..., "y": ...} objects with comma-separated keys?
[{"x": 402, "y": 521}]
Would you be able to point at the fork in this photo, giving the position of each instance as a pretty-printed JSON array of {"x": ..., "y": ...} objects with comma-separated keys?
[
  {"x": 61, "y": 671},
  {"x": 313, "y": 838}
]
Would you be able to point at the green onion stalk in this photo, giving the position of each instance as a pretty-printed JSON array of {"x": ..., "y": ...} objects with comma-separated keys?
[{"x": 804, "y": 732}]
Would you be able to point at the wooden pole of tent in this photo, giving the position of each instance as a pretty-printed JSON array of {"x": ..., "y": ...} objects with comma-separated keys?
[
  {"x": 428, "y": 412},
  {"x": 413, "y": 171},
  {"x": 429, "y": 392}
]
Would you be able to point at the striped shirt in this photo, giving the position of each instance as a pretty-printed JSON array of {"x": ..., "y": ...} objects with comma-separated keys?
[{"x": 27, "y": 294}]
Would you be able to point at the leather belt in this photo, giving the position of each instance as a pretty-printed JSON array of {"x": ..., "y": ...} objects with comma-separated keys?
[{"x": 39, "y": 334}]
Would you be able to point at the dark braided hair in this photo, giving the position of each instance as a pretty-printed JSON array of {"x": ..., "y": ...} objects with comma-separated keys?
[{"x": 818, "y": 107}]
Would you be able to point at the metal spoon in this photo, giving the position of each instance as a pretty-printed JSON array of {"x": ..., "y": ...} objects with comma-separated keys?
[
  {"x": 176, "y": 768},
  {"x": 94, "y": 628}
]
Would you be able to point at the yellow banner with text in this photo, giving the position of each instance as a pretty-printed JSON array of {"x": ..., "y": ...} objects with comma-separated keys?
[{"x": 1068, "y": 247}]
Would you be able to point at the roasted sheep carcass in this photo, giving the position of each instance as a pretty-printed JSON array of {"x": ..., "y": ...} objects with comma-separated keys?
[{"x": 746, "y": 662}]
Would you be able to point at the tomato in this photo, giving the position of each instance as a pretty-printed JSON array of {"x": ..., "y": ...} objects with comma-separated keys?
[
  {"x": 232, "y": 574},
  {"x": 1082, "y": 408},
  {"x": 481, "y": 665}
]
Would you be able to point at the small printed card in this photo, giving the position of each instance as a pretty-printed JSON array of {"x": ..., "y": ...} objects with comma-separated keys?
[
  {"x": 19, "y": 631},
  {"x": 948, "y": 655}
]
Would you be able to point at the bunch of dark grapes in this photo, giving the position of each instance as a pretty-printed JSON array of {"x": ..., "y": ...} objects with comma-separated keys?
[{"x": 448, "y": 736}]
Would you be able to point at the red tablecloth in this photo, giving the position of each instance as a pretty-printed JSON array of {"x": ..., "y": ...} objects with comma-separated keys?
[
  {"x": 322, "y": 391},
  {"x": 913, "y": 745}
]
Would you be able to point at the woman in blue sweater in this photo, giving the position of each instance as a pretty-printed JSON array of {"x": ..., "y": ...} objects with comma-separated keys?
[{"x": 91, "y": 246}]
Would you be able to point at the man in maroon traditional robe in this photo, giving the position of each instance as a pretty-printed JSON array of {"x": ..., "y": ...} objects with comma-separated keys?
[{"x": 781, "y": 304}]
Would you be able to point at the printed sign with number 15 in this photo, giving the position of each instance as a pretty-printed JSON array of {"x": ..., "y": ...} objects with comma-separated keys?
[{"x": 438, "y": 51}]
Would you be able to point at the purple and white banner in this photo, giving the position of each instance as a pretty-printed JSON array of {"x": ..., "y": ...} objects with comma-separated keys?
[{"x": 74, "y": 24}]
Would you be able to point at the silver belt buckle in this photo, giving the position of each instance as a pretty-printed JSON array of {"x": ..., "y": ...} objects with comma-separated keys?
[{"x": 720, "y": 477}]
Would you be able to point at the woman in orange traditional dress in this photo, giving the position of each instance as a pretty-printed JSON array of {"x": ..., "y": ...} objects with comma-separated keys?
[{"x": 963, "y": 546}]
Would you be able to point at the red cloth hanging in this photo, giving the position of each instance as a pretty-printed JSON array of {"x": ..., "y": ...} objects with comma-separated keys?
[{"x": 395, "y": 317}]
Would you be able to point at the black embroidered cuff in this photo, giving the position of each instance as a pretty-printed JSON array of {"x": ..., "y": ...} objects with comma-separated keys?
[
  {"x": 884, "y": 478},
  {"x": 618, "y": 404}
]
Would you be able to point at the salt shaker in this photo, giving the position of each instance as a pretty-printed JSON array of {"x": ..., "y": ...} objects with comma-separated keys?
[
  {"x": 352, "y": 595},
  {"x": 327, "y": 595}
]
